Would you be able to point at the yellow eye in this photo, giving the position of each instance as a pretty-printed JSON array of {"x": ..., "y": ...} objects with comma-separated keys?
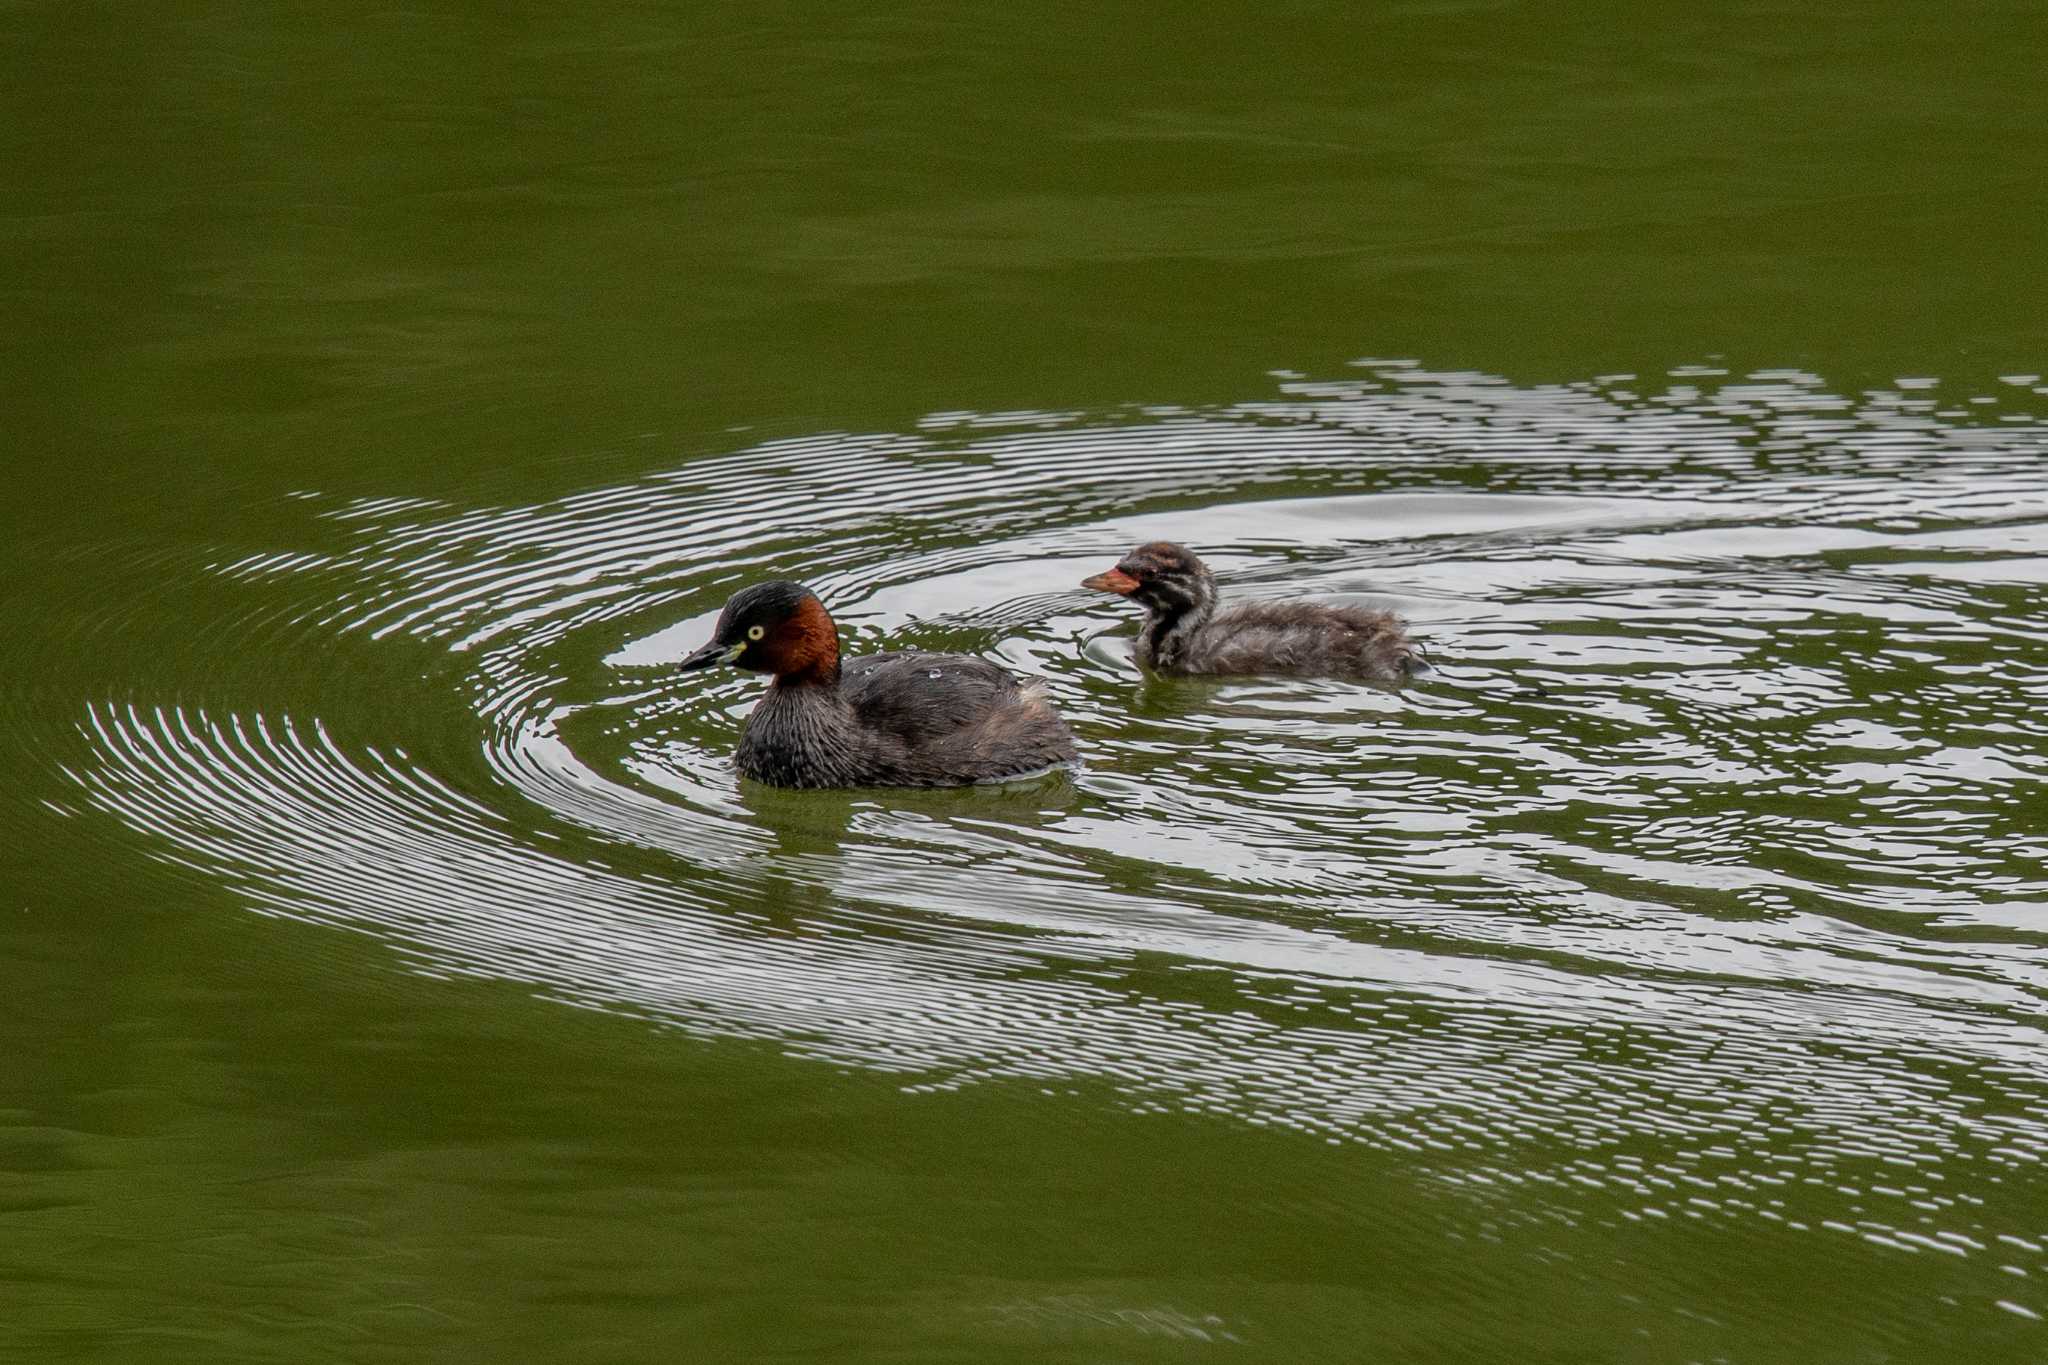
[{"x": 756, "y": 632}]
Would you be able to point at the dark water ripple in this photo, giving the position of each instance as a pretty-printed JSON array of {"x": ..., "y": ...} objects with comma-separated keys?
[{"x": 1704, "y": 880}]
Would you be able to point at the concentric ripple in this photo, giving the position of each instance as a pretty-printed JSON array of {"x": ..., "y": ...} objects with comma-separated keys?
[{"x": 1709, "y": 854}]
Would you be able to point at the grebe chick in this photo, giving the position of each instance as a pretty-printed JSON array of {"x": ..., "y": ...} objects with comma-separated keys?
[
  {"x": 1184, "y": 632},
  {"x": 907, "y": 719}
]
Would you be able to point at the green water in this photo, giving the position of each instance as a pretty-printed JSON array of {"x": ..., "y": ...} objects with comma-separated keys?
[{"x": 394, "y": 969}]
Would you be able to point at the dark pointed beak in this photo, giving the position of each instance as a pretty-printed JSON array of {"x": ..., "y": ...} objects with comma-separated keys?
[
  {"x": 1116, "y": 581},
  {"x": 713, "y": 653}
]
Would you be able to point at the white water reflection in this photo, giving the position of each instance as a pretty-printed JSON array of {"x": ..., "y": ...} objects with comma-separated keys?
[{"x": 1711, "y": 828}]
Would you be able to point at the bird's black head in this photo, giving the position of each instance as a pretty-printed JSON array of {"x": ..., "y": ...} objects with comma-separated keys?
[
  {"x": 1163, "y": 577},
  {"x": 778, "y": 627}
]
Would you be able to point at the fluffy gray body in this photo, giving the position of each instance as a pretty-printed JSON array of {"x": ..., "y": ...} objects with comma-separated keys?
[
  {"x": 903, "y": 720},
  {"x": 1184, "y": 632},
  {"x": 1301, "y": 639}
]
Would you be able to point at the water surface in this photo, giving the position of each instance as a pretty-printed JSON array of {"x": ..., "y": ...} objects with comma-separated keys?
[{"x": 401, "y": 972}]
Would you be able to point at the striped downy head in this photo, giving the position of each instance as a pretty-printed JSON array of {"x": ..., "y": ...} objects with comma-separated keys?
[
  {"x": 1176, "y": 589},
  {"x": 778, "y": 627}
]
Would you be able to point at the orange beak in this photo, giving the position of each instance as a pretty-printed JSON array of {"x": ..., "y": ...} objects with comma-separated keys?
[{"x": 1116, "y": 581}]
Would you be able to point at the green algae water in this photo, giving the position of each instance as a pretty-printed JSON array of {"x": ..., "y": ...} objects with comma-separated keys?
[{"x": 395, "y": 970}]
